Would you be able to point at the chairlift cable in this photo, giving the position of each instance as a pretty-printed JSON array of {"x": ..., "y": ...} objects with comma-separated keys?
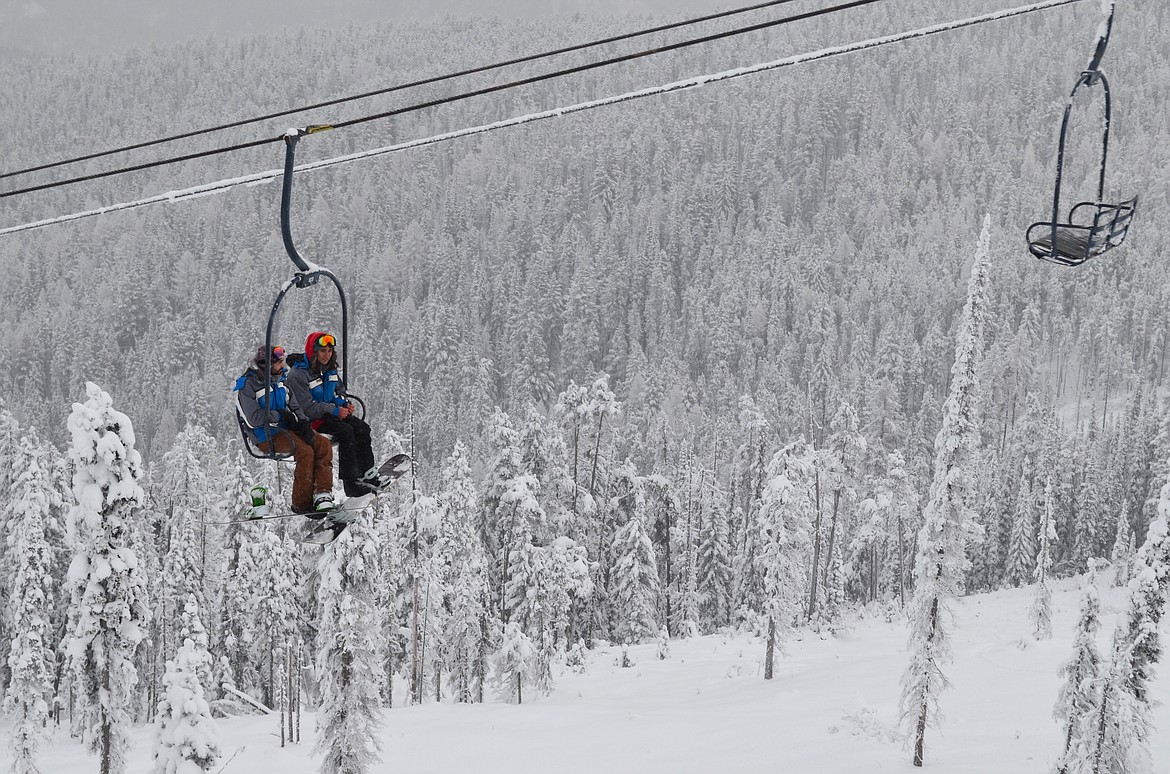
[
  {"x": 455, "y": 97},
  {"x": 258, "y": 178},
  {"x": 399, "y": 87}
]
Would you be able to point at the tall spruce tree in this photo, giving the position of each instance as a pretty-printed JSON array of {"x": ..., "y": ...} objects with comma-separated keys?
[
  {"x": 31, "y": 591},
  {"x": 349, "y": 653},
  {"x": 1041, "y": 610},
  {"x": 634, "y": 583},
  {"x": 942, "y": 562},
  {"x": 108, "y": 598},
  {"x": 1079, "y": 672},
  {"x": 463, "y": 576},
  {"x": 784, "y": 525},
  {"x": 1022, "y": 544},
  {"x": 186, "y": 736}
]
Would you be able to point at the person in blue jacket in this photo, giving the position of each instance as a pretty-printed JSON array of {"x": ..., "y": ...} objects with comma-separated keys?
[
  {"x": 277, "y": 420},
  {"x": 317, "y": 387}
]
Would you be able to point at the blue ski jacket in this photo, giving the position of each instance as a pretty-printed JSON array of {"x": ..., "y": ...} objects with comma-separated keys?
[
  {"x": 260, "y": 411},
  {"x": 321, "y": 394}
]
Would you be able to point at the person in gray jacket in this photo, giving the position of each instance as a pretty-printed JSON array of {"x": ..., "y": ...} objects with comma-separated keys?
[{"x": 279, "y": 424}]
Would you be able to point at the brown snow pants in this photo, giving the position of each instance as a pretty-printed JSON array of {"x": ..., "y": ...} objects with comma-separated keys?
[{"x": 313, "y": 471}]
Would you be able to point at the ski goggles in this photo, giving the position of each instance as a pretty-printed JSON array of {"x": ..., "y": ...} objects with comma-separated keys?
[
  {"x": 326, "y": 341},
  {"x": 277, "y": 354}
]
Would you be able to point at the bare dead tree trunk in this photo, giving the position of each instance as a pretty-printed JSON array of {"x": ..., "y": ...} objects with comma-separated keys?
[
  {"x": 596, "y": 454},
  {"x": 107, "y": 726},
  {"x": 771, "y": 650},
  {"x": 816, "y": 557},
  {"x": 832, "y": 536}
]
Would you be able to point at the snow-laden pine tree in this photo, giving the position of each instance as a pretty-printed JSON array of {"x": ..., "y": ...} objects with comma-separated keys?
[
  {"x": 276, "y": 605},
  {"x": 349, "y": 653},
  {"x": 602, "y": 405},
  {"x": 1041, "y": 611},
  {"x": 1079, "y": 672},
  {"x": 1137, "y": 649},
  {"x": 462, "y": 574},
  {"x": 1107, "y": 735},
  {"x": 714, "y": 571},
  {"x": 634, "y": 584},
  {"x": 521, "y": 519},
  {"x": 1022, "y": 544},
  {"x": 838, "y": 467},
  {"x": 31, "y": 594},
  {"x": 186, "y": 737},
  {"x": 526, "y": 604},
  {"x": 566, "y": 566},
  {"x": 108, "y": 599},
  {"x": 544, "y": 455},
  {"x": 234, "y": 611},
  {"x": 784, "y": 526},
  {"x": 941, "y": 562},
  {"x": 181, "y": 580},
  {"x": 1121, "y": 557},
  {"x": 504, "y": 469},
  {"x": 513, "y": 663}
]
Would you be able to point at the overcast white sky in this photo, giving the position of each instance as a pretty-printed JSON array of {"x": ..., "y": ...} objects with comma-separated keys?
[{"x": 112, "y": 25}]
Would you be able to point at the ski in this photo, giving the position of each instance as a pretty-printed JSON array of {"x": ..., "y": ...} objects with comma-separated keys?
[{"x": 289, "y": 514}]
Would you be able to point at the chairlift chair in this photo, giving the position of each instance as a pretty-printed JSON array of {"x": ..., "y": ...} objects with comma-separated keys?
[
  {"x": 1091, "y": 228},
  {"x": 306, "y": 275}
]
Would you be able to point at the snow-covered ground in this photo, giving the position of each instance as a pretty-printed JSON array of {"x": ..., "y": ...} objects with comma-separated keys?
[{"x": 831, "y": 708}]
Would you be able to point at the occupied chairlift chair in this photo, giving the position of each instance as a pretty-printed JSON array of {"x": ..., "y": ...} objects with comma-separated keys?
[
  {"x": 1092, "y": 228},
  {"x": 307, "y": 275}
]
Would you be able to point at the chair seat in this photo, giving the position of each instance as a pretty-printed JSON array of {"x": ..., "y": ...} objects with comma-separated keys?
[{"x": 1071, "y": 244}]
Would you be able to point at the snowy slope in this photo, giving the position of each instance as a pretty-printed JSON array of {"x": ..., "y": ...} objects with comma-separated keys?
[{"x": 831, "y": 709}]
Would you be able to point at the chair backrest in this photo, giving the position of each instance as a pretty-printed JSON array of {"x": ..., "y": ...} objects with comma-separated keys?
[
  {"x": 1119, "y": 226},
  {"x": 250, "y": 437}
]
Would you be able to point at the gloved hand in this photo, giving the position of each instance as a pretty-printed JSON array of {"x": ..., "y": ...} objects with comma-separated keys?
[{"x": 297, "y": 426}]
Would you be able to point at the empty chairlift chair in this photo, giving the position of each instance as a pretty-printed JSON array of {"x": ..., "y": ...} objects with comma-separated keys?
[{"x": 1091, "y": 228}]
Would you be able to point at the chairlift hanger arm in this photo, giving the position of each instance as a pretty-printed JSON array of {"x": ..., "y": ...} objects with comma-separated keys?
[
  {"x": 290, "y": 148},
  {"x": 307, "y": 273}
]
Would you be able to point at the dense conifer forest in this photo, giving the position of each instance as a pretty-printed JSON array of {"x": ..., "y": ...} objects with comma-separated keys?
[{"x": 604, "y": 338}]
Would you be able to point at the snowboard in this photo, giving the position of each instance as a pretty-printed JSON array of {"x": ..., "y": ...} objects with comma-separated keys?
[
  {"x": 328, "y": 528},
  {"x": 393, "y": 469}
]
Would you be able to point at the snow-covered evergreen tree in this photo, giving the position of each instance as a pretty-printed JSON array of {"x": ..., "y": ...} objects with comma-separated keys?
[
  {"x": 513, "y": 663},
  {"x": 1139, "y": 646},
  {"x": 276, "y": 609},
  {"x": 1107, "y": 736},
  {"x": 784, "y": 533},
  {"x": 634, "y": 584},
  {"x": 713, "y": 571},
  {"x": 1079, "y": 672},
  {"x": 186, "y": 737},
  {"x": 28, "y": 697},
  {"x": 1121, "y": 557},
  {"x": 235, "y": 613},
  {"x": 941, "y": 561},
  {"x": 1022, "y": 544},
  {"x": 462, "y": 573},
  {"x": 526, "y": 604},
  {"x": 1041, "y": 611},
  {"x": 108, "y": 600},
  {"x": 349, "y": 653},
  {"x": 838, "y": 462}
]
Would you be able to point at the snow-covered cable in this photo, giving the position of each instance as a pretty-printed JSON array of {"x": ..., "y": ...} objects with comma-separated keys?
[{"x": 689, "y": 83}]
